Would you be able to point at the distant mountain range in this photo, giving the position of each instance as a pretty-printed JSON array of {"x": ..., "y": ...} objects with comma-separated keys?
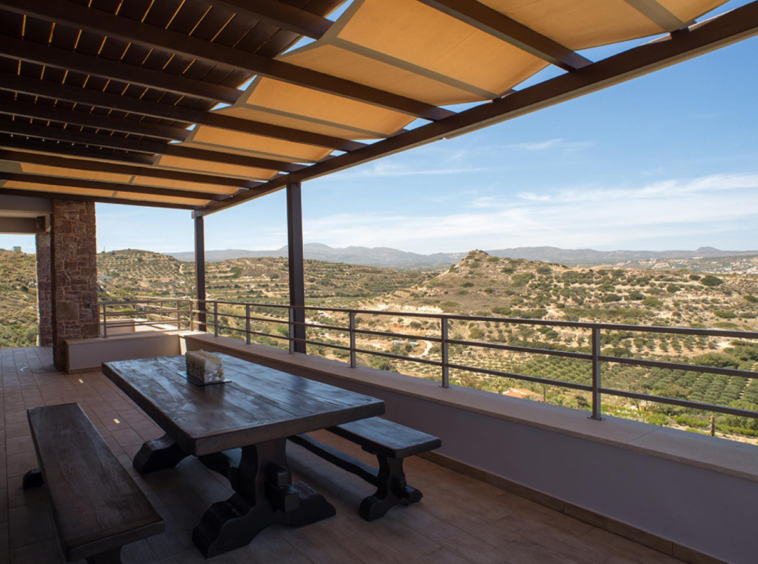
[{"x": 394, "y": 258}]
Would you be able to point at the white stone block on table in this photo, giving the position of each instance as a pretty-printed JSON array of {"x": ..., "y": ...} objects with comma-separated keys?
[{"x": 204, "y": 367}]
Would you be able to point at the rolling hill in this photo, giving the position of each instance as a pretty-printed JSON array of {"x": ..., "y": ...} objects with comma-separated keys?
[{"x": 394, "y": 258}]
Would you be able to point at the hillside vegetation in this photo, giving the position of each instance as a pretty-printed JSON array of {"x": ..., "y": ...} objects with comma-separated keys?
[
  {"x": 481, "y": 285},
  {"x": 129, "y": 274},
  {"x": 18, "y": 306}
]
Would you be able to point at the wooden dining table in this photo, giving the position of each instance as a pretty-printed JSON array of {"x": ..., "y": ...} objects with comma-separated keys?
[{"x": 239, "y": 428}]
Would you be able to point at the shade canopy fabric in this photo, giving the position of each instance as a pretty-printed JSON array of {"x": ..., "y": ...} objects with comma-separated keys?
[{"x": 228, "y": 99}]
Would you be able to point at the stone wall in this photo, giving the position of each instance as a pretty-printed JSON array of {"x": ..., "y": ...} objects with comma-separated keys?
[
  {"x": 74, "y": 287},
  {"x": 44, "y": 288}
]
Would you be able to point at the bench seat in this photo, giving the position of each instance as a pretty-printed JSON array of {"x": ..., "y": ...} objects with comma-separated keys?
[
  {"x": 97, "y": 507},
  {"x": 391, "y": 443},
  {"x": 384, "y": 437}
]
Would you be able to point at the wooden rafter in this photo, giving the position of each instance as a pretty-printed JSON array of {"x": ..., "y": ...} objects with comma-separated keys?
[
  {"x": 91, "y": 97},
  {"x": 98, "y": 199},
  {"x": 29, "y": 51},
  {"x": 109, "y": 186},
  {"x": 279, "y": 14},
  {"x": 110, "y": 25},
  {"x": 501, "y": 26},
  {"x": 100, "y": 166},
  {"x": 142, "y": 146},
  {"x": 54, "y": 147},
  {"x": 86, "y": 119}
]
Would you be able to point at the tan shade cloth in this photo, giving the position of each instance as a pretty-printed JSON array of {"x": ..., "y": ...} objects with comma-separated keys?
[
  {"x": 246, "y": 144},
  {"x": 30, "y": 168},
  {"x": 318, "y": 109},
  {"x": 334, "y": 60},
  {"x": 161, "y": 199},
  {"x": 687, "y": 10},
  {"x": 408, "y": 48},
  {"x": 211, "y": 167},
  {"x": 63, "y": 190},
  {"x": 179, "y": 185},
  {"x": 37, "y": 187},
  {"x": 581, "y": 24}
]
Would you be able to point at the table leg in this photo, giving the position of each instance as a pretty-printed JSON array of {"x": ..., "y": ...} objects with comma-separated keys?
[
  {"x": 158, "y": 454},
  {"x": 264, "y": 496}
]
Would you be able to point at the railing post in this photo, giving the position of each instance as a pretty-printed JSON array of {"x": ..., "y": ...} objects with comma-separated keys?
[
  {"x": 215, "y": 319},
  {"x": 444, "y": 347},
  {"x": 178, "y": 315},
  {"x": 292, "y": 329},
  {"x": 105, "y": 321},
  {"x": 597, "y": 402},
  {"x": 247, "y": 324},
  {"x": 191, "y": 315},
  {"x": 353, "y": 360}
]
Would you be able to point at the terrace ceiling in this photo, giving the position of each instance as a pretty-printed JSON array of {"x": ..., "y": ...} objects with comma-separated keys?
[{"x": 202, "y": 104}]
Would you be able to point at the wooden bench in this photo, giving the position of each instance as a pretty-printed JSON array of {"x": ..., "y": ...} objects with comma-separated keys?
[
  {"x": 96, "y": 505},
  {"x": 390, "y": 443}
]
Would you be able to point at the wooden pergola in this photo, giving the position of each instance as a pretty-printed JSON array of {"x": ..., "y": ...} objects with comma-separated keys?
[{"x": 206, "y": 104}]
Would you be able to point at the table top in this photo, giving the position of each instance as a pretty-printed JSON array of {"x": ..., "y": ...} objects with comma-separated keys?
[{"x": 259, "y": 404}]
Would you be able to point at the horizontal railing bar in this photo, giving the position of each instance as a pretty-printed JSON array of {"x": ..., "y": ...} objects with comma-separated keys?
[
  {"x": 400, "y": 357},
  {"x": 146, "y": 301},
  {"x": 521, "y": 321},
  {"x": 680, "y": 366},
  {"x": 681, "y": 403},
  {"x": 317, "y": 326},
  {"x": 399, "y": 335},
  {"x": 321, "y": 344},
  {"x": 261, "y": 333},
  {"x": 558, "y": 383},
  {"x": 144, "y": 311},
  {"x": 552, "y": 352}
]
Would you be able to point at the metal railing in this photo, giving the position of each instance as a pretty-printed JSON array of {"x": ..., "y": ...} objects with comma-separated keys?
[
  {"x": 148, "y": 312},
  {"x": 595, "y": 356},
  {"x": 195, "y": 317}
]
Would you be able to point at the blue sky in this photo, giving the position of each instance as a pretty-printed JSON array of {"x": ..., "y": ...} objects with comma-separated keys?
[{"x": 669, "y": 160}]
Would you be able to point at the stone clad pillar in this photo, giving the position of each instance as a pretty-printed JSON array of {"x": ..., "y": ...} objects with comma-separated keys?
[
  {"x": 74, "y": 280},
  {"x": 44, "y": 287}
]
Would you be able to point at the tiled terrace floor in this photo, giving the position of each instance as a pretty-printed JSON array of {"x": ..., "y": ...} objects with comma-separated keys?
[{"x": 459, "y": 521}]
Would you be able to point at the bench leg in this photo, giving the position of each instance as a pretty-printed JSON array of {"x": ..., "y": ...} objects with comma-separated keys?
[
  {"x": 32, "y": 479},
  {"x": 110, "y": 557},
  {"x": 264, "y": 495},
  {"x": 391, "y": 490},
  {"x": 158, "y": 454}
]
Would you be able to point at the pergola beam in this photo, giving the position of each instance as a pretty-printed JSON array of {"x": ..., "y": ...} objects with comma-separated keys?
[
  {"x": 97, "y": 199},
  {"x": 68, "y": 182},
  {"x": 99, "y": 166},
  {"x": 279, "y": 14},
  {"x": 91, "y": 97},
  {"x": 142, "y": 146},
  {"x": 506, "y": 29},
  {"x": 69, "y": 149},
  {"x": 86, "y": 119},
  {"x": 104, "y": 23},
  {"x": 726, "y": 29},
  {"x": 39, "y": 53}
]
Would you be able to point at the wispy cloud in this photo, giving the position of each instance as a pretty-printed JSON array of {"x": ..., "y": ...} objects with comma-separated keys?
[
  {"x": 592, "y": 216},
  {"x": 378, "y": 170},
  {"x": 558, "y": 143}
]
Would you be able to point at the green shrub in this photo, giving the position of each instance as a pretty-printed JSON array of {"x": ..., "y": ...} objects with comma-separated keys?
[
  {"x": 725, "y": 313},
  {"x": 652, "y": 302},
  {"x": 711, "y": 281}
]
